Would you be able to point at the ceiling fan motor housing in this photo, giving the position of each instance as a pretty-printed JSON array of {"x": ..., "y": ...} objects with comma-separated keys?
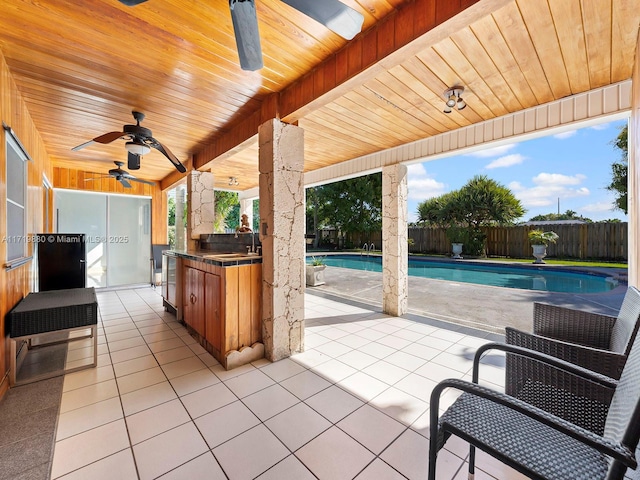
[{"x": 136, "y": 131}]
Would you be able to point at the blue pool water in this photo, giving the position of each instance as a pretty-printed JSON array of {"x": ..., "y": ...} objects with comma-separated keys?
[{"x": 525, "y": 277}]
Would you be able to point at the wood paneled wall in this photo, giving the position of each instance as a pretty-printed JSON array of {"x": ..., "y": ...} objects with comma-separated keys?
[
  {"x": 16, "y": 283},
  {"x": 97, "y": 182}
]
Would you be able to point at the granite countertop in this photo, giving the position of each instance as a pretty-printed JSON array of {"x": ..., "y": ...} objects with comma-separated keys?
[{"x": 224, "y": 259}]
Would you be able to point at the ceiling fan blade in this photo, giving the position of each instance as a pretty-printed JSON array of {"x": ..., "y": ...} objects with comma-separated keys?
[
  {"x": 96, "y": 178},
  {"x": 139, "y": 180},
  {"x": 82, "y": 145},
  {"x": 336, "y": 16},
  {"x": 132, "y": 3},
  {"x": 109, "y": 137},
  {"x": 133, "y": 161},
  {"x": 127, "y": 176},
  {"x": 245, "y": 27},
  {"x": 167, "y": 153},
  {"x": 124, "y": 183}
]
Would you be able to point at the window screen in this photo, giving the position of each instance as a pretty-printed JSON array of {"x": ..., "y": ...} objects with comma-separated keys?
[{"x": 16, "y": 200}]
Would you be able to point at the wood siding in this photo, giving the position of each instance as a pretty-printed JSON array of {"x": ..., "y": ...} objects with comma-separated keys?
[{"x": 16, "y": 283}]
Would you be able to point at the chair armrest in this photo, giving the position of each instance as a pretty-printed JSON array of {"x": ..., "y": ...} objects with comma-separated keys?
[
  {"x": 601, "y": 361},
  {"x": 604, "y": 445},
  {"x": 555, "y": 362},
  {"x": 574, "y": 326}
]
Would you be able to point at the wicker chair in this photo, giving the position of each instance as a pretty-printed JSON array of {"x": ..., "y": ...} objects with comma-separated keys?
[
  {"x": 597, "y": 342},
  {"x": 156, "y": 261},
  {"x": 534, "y": 442}
]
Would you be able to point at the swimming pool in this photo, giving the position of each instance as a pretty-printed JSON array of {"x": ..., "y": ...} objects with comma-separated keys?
[{"x": 524, "y": 277}]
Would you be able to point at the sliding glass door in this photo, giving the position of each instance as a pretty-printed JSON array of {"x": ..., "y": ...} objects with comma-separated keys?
[
  {"x": 118, "y": 234},
  {"x": 129, "y": 246}
]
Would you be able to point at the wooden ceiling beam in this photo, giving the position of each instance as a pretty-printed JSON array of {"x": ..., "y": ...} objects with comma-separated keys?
[{"x": 409, "y": 30}]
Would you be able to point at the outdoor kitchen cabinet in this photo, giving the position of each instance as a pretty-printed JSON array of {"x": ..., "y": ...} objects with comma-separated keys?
[
  {"x": 194, "y": 299},
  {"x": 212, "y": 315},
  {"x": 222, "y": 305}
]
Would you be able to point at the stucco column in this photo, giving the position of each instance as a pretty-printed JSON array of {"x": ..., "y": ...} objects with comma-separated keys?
[
  {"x": 282, "y": 237},
  {"x": 633, "y": 177},
  {"x": 181, "y": 204},
  {"x": 200, "y": 202},
  {"x": 395, "y": 282}
]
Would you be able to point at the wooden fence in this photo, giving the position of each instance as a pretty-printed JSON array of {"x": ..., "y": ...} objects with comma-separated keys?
[{"x": 604, "y": 241}]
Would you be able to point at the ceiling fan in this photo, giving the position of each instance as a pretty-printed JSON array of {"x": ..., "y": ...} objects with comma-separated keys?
[
  {"x": 140, "y": 141},
  {"x": 333, "y": 14},
  {"x": 122, "y": 176}
]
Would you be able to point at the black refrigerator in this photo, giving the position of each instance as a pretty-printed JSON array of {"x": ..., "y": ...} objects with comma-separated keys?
[{"x": 62, "y": 260}]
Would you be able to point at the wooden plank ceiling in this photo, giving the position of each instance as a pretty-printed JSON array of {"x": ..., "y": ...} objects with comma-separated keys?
[{"x": 83, "y": 66}]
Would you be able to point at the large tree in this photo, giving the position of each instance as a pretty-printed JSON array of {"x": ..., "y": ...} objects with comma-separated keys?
[
  {"x": 619, "y": 169},
  {"x": 224, "y": 213},
  {"x": 480, "y": 202},
  {"x": 568, "y": 215},
  {"x": 353, "y": 205}
]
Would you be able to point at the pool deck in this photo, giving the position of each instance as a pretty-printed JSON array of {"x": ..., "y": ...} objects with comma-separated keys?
[{"x": 483, "y": 307}]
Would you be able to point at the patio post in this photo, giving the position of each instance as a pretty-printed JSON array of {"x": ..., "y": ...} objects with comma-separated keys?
[
  {"x": 395, "y": 283},
  {"x": 200, "y": 204},
  {"x": 281, "y": 163}
]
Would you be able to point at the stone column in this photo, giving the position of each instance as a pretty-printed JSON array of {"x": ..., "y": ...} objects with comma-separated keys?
[
  {"x": 201, "y": 207},
  {"x": 246, "y": 207},
  {"x": 395, "y": 282},
  {"x": 181, "y": 200},
  {"x": 282, "y": 236}
]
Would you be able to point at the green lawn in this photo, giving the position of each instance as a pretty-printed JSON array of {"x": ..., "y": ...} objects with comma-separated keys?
[
  {"x": 550, "y": 261},
  {"x": 575, "y": 263}
]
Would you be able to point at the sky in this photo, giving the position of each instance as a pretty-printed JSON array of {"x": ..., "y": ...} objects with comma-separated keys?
[{"x": 573, "y": 166}]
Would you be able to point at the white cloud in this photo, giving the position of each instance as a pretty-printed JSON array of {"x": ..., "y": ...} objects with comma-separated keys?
[
  {"x": 548, "y": 187},
  {"x": 601, "y": 126},
  {"x": 565, "y": 135},
  {"x": 416, "y": 169},
  {"x": 422, "y": 186},
  {"x": 492, "y": 152},
  {"x": 597, "y": 207},
  {"x": 555, "y": 179},
  {"x": 506, "y": 161}
]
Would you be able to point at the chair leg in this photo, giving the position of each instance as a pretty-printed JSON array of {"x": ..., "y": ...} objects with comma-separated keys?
[
  {"x": 433, "y": 455},
  {"x": 472, "y": 462}
]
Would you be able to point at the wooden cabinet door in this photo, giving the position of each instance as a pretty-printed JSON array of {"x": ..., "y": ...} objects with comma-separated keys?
[
  {"x": 213, "y": 311},
  {"x": 194, "y": 299},
  {"x": 186, "y": 294}
]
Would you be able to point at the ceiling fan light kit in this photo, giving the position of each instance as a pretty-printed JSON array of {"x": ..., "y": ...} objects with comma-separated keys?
[
  {"x": 137, "y": 148},
  {"x": 453, "y": 98}
]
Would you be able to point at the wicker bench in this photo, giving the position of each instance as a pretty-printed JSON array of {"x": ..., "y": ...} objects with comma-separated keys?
[{"x": 49, "y": 314}]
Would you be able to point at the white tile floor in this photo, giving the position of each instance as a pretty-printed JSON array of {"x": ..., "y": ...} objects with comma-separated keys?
[{"x": 353, "y": 405}]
